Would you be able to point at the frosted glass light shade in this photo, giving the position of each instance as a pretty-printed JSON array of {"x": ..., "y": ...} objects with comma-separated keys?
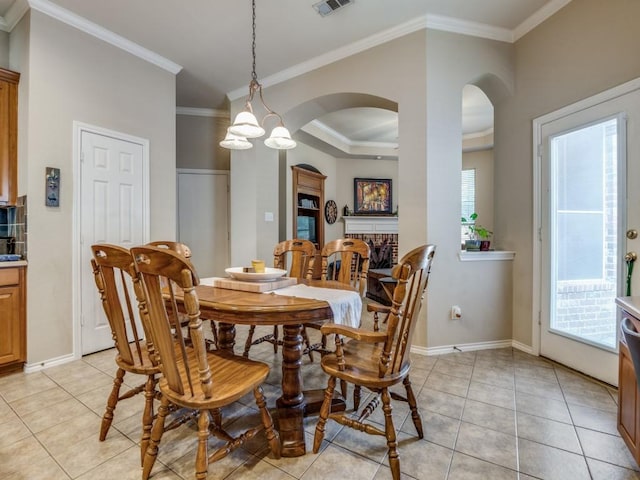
[
  {"x": 246, "y": 125},
  {"x": 281, "y": 139},
  {"x": 235, "y": 142}
]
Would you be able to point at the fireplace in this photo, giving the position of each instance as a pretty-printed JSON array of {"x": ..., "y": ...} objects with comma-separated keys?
[{"x": 381, "y": 233}]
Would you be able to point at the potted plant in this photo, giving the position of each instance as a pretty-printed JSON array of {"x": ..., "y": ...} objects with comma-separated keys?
[{"x": 479, "y": 236}]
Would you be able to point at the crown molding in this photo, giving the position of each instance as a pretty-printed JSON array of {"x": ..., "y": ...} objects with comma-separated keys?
[
  {"x": 202, "y": 112},
  {"x": 14, "y": 14},
  {"x": 335, "y": 55},
  {"x": 537, "y": 18},
  {"x": 464, "y": 27},
  {"x": 316, "y": 128},
  {"x": 65, "y": 16}
]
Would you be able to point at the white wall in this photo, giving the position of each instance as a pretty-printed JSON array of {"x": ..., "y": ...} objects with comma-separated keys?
[
  {"x": 73, "y": 76},
  {"x": 197, "y": 140},
  {"x": 4, "y": 49},
  {"x": 482, "y": 289}
]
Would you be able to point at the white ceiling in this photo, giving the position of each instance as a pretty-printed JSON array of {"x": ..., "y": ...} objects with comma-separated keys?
[{"x": 211, "y": 40}]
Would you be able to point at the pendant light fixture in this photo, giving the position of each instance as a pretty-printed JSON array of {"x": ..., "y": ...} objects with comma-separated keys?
[{"x": 246, "y": 124}]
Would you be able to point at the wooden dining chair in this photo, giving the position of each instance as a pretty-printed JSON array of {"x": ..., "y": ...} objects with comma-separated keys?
[
  {"x": 345, "y": 260},
  {"x": 193, "y": 378},
  {"x": 184, "y": 250},
  {"x": 296, "y": 256},
  {"x": 115, "y": 276},
  {"x": 379, "y": 360}
]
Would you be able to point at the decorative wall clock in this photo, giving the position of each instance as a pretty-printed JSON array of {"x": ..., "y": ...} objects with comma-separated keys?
[{"x": 330, "y": 212}]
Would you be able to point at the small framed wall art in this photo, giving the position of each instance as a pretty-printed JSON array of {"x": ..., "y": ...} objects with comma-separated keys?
[
  {"x": 52, "y": 187},
  {"x": 372, "y": 196}
]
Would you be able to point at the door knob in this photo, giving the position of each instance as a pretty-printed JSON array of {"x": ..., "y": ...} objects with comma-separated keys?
[
  {"x": 630, "y": 257},
  {"x": 632, "y": 234}
]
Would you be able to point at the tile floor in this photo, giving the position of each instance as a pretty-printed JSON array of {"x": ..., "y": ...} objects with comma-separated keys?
[{"x": 491, "y": 414}]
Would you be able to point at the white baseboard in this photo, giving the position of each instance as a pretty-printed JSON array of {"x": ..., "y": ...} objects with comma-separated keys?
[
  {"x": 35, "y": 367},
  {"x": 469, "y": 347},
  {"x": 522, "y": 347}
]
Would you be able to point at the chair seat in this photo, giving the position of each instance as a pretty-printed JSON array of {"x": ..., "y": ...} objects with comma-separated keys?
[
  {"x": 142, "y": 366},
  {"x": 361, "y": 365},
  {"x": 232, "y": 378}
]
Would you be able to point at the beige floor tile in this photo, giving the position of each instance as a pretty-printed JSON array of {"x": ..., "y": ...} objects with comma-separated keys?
[
  {"x": 548, "y": 432},
  {"x": 258, "y": 470},
  {"x": 56, "y": 439},
  {"x": 539, "y": 388},
  {"x": 12, "y": 431},
  {"x": 464, "y": 467},
  {"x": 500, "y": 397},
  {"x": 55, "y": 414},
  {"x": 548, "y": 408},
  {"x": 20, "y": 454},
  {"x": 502, "y": 381},
  {"x": 489, "y": 416},
  {"x": 295, "y": 466},
  {"x": 17, "y": 385},
  {"x": 595, "y": 398},
  {"x": 6, "y": 412},
  {"x": 336, "y": 462},
  {"x": 448, "y": 383},
  {"x": 41, "y": 469},
  {"x": 605, "y": 447},
  {"x": 440, "y": 402},
  {"x": 542, "y": 461},
  {"x": 40, "y": 400},
  {"x": 454, "y": 369},
  {"x": 606, "y": 471},
  {"x": 126, "y": 466},
  {"x": 603, "y": 421},
  {"x": 438, "y": 429},
  {"x": 78, "y": 458},
  {"x": 422, "y": 459},
  {"x": 489, "y": 445}
]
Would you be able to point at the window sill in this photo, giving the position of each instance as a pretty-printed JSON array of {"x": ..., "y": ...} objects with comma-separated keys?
[{"x": 494, "y": 255}]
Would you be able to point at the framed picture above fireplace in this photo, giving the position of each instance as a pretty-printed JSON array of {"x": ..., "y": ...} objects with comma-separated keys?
[{"x": 372, "y": 196}]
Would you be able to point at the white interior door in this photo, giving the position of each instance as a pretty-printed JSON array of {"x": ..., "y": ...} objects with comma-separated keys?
[
  {"x": 203, "y": 219},
  {"x": 586, "y": 204},
  {"x": 113, "y": 210}
]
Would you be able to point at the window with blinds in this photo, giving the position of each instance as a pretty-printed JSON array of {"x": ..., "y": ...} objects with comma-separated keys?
[{"x": 468, "y": 201}]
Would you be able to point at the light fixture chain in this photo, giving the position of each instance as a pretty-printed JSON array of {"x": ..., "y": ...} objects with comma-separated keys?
[{"x": 254, "y": 75}]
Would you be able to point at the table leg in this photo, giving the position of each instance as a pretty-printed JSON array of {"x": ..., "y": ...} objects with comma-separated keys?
[
  {"x": 226, "y": 336},
  {"x": 291, "y": 404}
]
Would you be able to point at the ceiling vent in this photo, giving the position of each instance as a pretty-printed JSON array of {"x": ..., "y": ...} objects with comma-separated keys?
[{"x": 327, "y": 7}]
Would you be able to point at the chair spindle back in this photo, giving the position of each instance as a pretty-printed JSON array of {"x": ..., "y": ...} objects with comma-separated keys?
[
  {"x": 116, "y": 278},
  {"x": 158, "y": 307},
  {"x": 295, "y": 254},
  {"x": 412, "y": 274},
  {"x": 346, "y": 260}
]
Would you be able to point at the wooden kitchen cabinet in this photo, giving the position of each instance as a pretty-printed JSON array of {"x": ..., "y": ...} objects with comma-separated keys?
[
  {"x": 628, "y": 395},
  {"x": 8, "y": 136},
  {"x": 13, "y": 334}
]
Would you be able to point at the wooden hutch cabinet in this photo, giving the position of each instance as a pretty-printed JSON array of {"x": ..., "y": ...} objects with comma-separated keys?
[
  {"x": 13, "y": 344},
  {"x": 308, "y": 204},
  {"x": 8, "y": 137}
]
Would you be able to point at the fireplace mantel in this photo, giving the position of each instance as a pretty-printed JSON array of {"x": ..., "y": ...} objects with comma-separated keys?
[{"x": 370, "y": 224}]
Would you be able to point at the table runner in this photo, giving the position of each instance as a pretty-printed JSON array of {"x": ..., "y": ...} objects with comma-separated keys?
[{"x": 346, "y": 305}]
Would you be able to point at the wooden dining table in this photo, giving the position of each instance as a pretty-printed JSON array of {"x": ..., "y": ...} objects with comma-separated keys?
[{"x": 234, "y": 307}]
